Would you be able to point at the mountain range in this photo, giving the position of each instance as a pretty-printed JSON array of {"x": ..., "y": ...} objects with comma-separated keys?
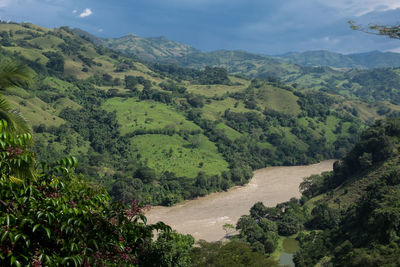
[{"x": 160, "y": 49}]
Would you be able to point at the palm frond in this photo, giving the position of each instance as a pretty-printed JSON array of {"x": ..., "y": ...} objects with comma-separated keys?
[
  {"x": 16, "y": 122},
  {"x": 13, "y": 74}
]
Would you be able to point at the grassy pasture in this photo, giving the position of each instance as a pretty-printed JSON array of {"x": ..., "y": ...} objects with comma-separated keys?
[
  {"x": 35, "y": 111},
  {"x": 173, "y": 153},
  {"x": 147, "y": 115}
]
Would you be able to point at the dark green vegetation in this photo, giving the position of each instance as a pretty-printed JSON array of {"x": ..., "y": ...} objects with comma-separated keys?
[
  {"x": 53, "y": 217},
  {"x": 347, "y": 217},
  {"x": 163, "y": 133},
  {"x": 266, "y": 227},
  {"x": 357, "y": 205},
  {"x": 233, "y": 253}
]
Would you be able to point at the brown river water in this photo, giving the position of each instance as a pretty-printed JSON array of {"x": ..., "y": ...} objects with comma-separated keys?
[{"x": 204, "y": 217}]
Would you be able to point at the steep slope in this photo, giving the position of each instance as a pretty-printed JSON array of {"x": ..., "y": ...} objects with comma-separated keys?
[
  {"x": 346, "y": 217},
  {"x": 357, "y": 205}
]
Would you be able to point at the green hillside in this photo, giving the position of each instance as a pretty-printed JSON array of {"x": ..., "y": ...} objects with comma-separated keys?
[
  {"x": 163, "y": 133},
  {"x": 346, "y": 217},
  {"x": 354, "y": 208},
  {"x": 359, "y": 76}
]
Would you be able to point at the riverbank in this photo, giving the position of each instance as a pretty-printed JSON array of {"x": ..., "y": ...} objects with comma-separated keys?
[{"x": 204, "y": 217}]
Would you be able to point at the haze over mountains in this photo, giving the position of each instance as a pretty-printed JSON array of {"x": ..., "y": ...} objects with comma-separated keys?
[{"x": 160, "y": 49}]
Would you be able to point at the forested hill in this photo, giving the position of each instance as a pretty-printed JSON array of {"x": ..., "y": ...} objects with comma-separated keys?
[
  {"x": 153, "y": 49},
  {"x": 162, "y": 133},
  {"x": 355, "y": 209},
  {"x": 354, "y": 75},
  {"x": 370, "y": 60},
  {"x": 346, "y": 217}
]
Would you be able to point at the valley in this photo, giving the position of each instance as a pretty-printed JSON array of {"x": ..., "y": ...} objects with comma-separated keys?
[{"x": 207, "y": 139}]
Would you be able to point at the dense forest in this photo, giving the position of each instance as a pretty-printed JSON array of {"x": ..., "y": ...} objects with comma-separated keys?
[{"x": 347, "y": 217}]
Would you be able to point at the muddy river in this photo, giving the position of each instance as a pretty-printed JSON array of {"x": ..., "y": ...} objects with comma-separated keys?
[{"x": 204, "y": 217}]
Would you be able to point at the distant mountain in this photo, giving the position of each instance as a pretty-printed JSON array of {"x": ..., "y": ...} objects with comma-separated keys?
[
  {"x": 150, "y": 49},
  {"x": 153, "y": 49},
  {"x": 320, "y": 58},
  {"x": 374, "y": 59},
  {"x": 377, "y": 59},
  {"x": 162, "y": 50},
  {"x": 240, "y": 62}
]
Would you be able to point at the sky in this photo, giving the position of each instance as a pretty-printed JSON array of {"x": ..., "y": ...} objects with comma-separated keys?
[{"x": 260, "y": 26}]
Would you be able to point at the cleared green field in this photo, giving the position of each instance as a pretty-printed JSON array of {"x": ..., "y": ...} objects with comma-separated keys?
[
  {"x": 218, "y": 89},
  {"x": 291, "y": 138},
  {"x": 73, "y": 145},
  {"x": 30, "y": 54},
  {"x": 231, "y": 133},
  {"x": 46, "y": 42},
  {"x": 64, "y": 102},
  {"x": 331, "y": 124},
  {"x": 18, "y": 91},
  {"x": 174, "y": 154},
  {"x": 58, "y": 84},
  {"x": 35, "y": 111},
  {"x": 216, "y": 109},
  {"x": 277, "y": 99},
  {"x": 147, "y": 115}
]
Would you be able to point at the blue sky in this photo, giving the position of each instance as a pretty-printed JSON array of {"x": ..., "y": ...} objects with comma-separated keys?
[{"x": 260, "y": 26}]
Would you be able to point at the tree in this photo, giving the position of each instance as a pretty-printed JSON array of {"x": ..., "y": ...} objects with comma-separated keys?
[
  {"x": 392, "y": 31},
  {"x": 16, "y": 161},
  {"x": 170, "y": 250},
  {"x": 258, "y": 211}
]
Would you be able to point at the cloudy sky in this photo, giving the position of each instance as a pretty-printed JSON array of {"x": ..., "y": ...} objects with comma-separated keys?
[{"x": 261, "y": 26}]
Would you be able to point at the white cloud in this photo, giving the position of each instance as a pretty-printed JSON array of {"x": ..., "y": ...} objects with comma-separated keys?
[
  {"x": 394, "y": 50},
  {"x": 327, "y": 39},
  {"x": 100, "y": 30},
  {"x": 87, "y": 12},
  {"x": 74, "y": 11},
  {"x": 361, "y": 7}
]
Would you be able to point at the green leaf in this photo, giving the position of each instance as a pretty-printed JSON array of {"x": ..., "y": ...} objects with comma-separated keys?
[
  {"x": 65, "y": 260},
  {"x": 35, "y": 227},
  {"x": 16, "y": 237},
  {"x": 4, "y": 236},
  {"x": 47, "y": 231}
]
